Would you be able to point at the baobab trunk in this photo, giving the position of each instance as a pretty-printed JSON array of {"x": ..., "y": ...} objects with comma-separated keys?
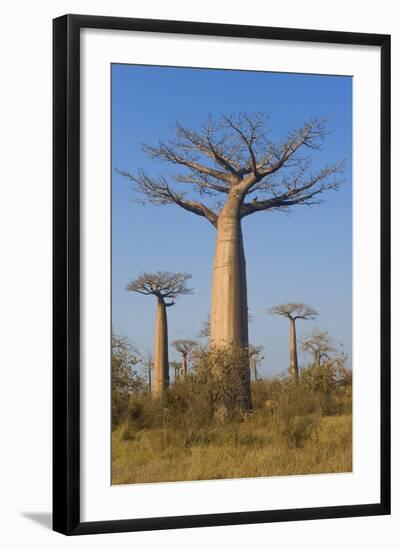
[
  {"x": 161, "y": 366},
  {"x": 294, "y": 370},
  {"x": 149, "y": 373},
  {"x": 184, "y": 364},
  {"x": 229, "y": 316}
]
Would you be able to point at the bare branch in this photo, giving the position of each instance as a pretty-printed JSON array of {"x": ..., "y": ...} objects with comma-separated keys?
[
  {"x": 159, "y": 192},
  {"x": 168, "y": 153},
  {"x": 204, "y": 184},
  {"x": 310, "y": 135},
  {"x": 207, "y": 145},
  {"x": 298, "y": 191},
  {"x": 248, "y": 130},
  {"x": 235, "y": 156}
]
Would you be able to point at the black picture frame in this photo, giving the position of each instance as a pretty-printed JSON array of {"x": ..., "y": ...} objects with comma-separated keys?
[{"x": 66, "y": 272}]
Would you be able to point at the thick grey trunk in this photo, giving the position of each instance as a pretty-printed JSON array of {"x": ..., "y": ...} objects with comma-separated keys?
[
  {"x": 294, "y": 370},
  {"x": 229, "y": 315},
  {"x": 161, "y": 365}
]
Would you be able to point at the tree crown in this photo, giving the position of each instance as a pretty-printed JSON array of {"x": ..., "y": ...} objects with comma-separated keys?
[
  {"x": 256, "y": 351},
  {"x": 235, "y": 155},
  {"x": 162, "y": 284},
  {"x": 184, "y": 346},
  {"x": 294, "y": 311},
  {"x": 320, "y": 344}
]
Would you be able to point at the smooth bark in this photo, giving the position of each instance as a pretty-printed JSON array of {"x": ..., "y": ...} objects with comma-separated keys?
[
  {"x": 294, "y": 369},
  {"x": 184, "y": 364},
  {"x": 229, "y": 317},
  {"x": 161, "y": 365},
  {"x": 149, "y": 373},
  {"x": 229, "y": 313}
]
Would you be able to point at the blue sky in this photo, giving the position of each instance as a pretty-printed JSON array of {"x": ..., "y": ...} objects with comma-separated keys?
[{"x": 304, "y": 256}]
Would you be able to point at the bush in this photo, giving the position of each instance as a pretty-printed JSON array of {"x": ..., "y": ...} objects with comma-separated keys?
[
  {"x": 125, "y": 381},
  {"x": 297, "y": 430},
  {"x": 226, "y": 375}
]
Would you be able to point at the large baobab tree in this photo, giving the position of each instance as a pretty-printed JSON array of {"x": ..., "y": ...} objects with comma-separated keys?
[
  {"x": 166, "y": 287},
  {"x": 237, "y": 170},
  {"x": 184, "y": 347},
  {"x": 293, "y": 312}
]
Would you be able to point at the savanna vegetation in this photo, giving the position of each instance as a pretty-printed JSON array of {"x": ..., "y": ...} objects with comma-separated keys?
[
  {"x": 198, "y": 430},
  {"x": 219, "y": 418},
  {"x": 236, "y": 170}
]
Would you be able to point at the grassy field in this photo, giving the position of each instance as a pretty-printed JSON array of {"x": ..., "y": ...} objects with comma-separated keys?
[{"x": 256, "y": 446}]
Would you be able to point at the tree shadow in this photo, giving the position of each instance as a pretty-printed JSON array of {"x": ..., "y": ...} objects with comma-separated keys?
[{"x": 42, "y": 518}]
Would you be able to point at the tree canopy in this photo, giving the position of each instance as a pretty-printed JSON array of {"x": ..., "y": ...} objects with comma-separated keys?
[
  {"x": 162, "y": 284},
  {"x": 235, "y": 153},
  {"x": 184, "y": 346},
  {"x": 320, "y": 346},
  {"x": 294, "y": 311}
]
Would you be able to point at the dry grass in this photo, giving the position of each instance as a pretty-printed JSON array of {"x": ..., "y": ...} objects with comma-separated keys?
[
  {"x": 195, "y": 432},
  {"x": 256, "y": 446}
]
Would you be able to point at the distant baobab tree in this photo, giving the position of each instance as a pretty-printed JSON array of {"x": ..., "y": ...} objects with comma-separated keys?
[
  {"x": 149, "y": 366},
  {"x": 293, "y": 312},
  {"x": 320, "y": 346},
  {"x": 255, "y": 356},
  {"x": 164, "y": 286},
  {"x": 176, "y": 367},
  {"x": 227, "y": 162},
  {"x": 185, "y": 347}
]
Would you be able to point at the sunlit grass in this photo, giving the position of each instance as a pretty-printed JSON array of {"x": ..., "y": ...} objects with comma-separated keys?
[{"x": 257, "y": 446}]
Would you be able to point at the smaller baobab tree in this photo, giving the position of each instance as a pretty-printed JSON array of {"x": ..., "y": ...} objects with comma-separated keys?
[
  {"x": 176, "y": 367},
  {"x": 293, "y": 312},
  {"x": 166, "y": 287},
  {"x": 255, "y": 356},
  {"x": 185, "y": 347},
  {"x": 320, "y": 346}
]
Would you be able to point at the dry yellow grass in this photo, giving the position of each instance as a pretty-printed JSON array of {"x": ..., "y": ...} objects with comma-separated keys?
[{"x": 254, "y": 447}]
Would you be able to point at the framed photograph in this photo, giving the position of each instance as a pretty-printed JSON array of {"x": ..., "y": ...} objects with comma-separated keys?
[{"x": 221, "y": 274}]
